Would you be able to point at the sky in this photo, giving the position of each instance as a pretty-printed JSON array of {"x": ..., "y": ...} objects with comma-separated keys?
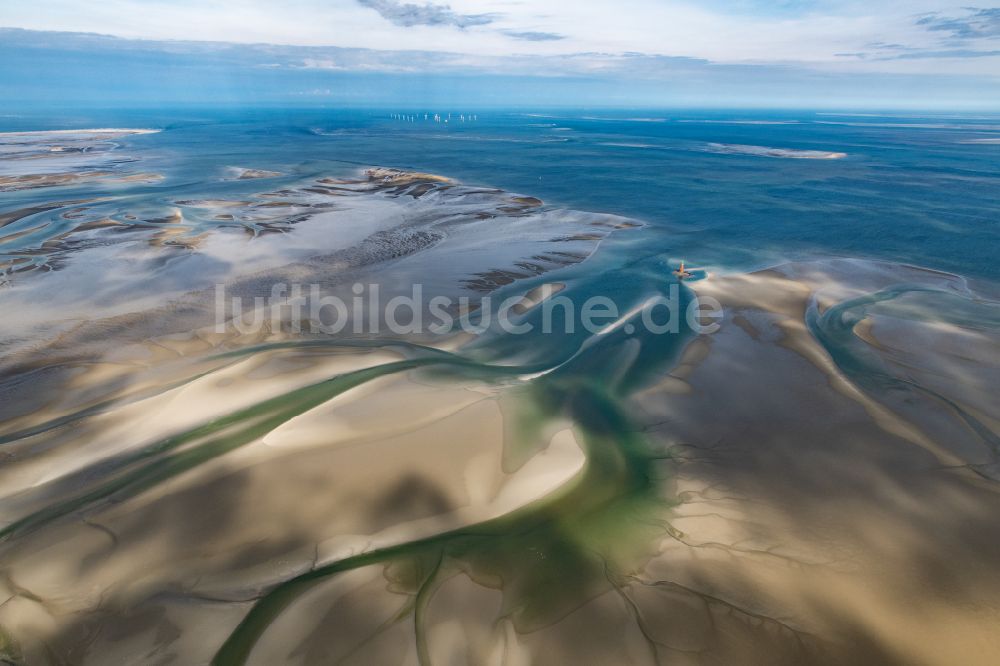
[{"x": 782, "y": 53}]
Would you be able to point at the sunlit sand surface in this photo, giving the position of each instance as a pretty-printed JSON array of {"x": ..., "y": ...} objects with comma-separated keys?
[{"x": 816, "y": 482}]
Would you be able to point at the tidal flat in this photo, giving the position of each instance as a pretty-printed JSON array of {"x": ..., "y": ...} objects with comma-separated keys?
[{"x": 815, "y": 481}]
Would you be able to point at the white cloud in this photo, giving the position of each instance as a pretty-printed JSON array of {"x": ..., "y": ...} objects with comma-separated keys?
[
  {"x": 408, "y": 14},
  {"x": 749, "y": 31}
]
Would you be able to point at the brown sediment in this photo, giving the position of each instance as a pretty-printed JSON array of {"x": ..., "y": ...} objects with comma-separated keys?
[
  {"x": 215, "y": 203},
  {"x": 809, "y": 518},
  {"x": 488, "y": 281},
  {"x": 864, "y": 331},
  {"x": 138, "y": 178},
  {"x": 492, "y": 280},
  {"x": 394, "y": 177},
  {"x": 578, "y": 237},
  {"x": 805, "y": 531},
  {"x": 20, "y": 234},
  {"x": 790, "y": 513},
  {"x": 434, "y": 466},
  {"x": 170, "y": 562},
  {"x": 73, "y": 214},
  {"x": 821, "y": 509},
  {"x": 92, "y": 148},
  {"x": 14, "y": 216},
  {"x": 616, "y": 223},
  {"x": 178, "y": 237},
  {"x": 320, "y": 190},
  {"x": 566, "y": 256},
  {"x": 92, "y": 134},
  {"x": 175, "y": 217},
  {"x": 275, "y": 204},
  {"x": 377, "y": 247},
  {"x": 747, "y": 327},
  {"x": 516, "y": 211},
  {"x": 252, "y": 174},
  {"x": 13, "y": 262},
  {"x": 537, "y": 296},
  {"x": 32, "y": 181}
]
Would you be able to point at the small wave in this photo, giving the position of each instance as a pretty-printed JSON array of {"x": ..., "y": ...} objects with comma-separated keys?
[
  {"x": 622, "y": 144},
  {"x": 117, "y": 131},
  {"x": 940, "y": 126},
  {"x": 766, "y": 151},
  {"x": 625, "y": 120},
  {"x": 741, "y": 122},
  {"x": 243, "y": 173}
]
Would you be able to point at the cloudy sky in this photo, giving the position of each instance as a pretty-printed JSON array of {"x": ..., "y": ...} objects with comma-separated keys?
[{"x": 911, "y": 51}]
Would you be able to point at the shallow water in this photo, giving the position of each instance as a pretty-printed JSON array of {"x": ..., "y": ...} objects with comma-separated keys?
[{"x": 203, "y": 476}]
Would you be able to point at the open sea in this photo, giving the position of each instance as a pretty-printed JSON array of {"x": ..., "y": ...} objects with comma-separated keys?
[{"x": 917, "y": 190}]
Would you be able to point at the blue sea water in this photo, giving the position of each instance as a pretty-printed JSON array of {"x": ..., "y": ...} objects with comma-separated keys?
[
  {"x": 918, "y": 190},
  {"x": 728, "y": 192}
]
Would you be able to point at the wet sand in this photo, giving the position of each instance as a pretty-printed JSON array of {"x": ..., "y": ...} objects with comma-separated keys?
[
  {"x": 848, "y": 523},
  {"x": 814, "y": 483}
]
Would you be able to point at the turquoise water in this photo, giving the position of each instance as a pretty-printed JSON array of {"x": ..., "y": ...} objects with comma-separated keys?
[
  {"x": 920, "y": 190},
  {"x": 725, "y": 192}
]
